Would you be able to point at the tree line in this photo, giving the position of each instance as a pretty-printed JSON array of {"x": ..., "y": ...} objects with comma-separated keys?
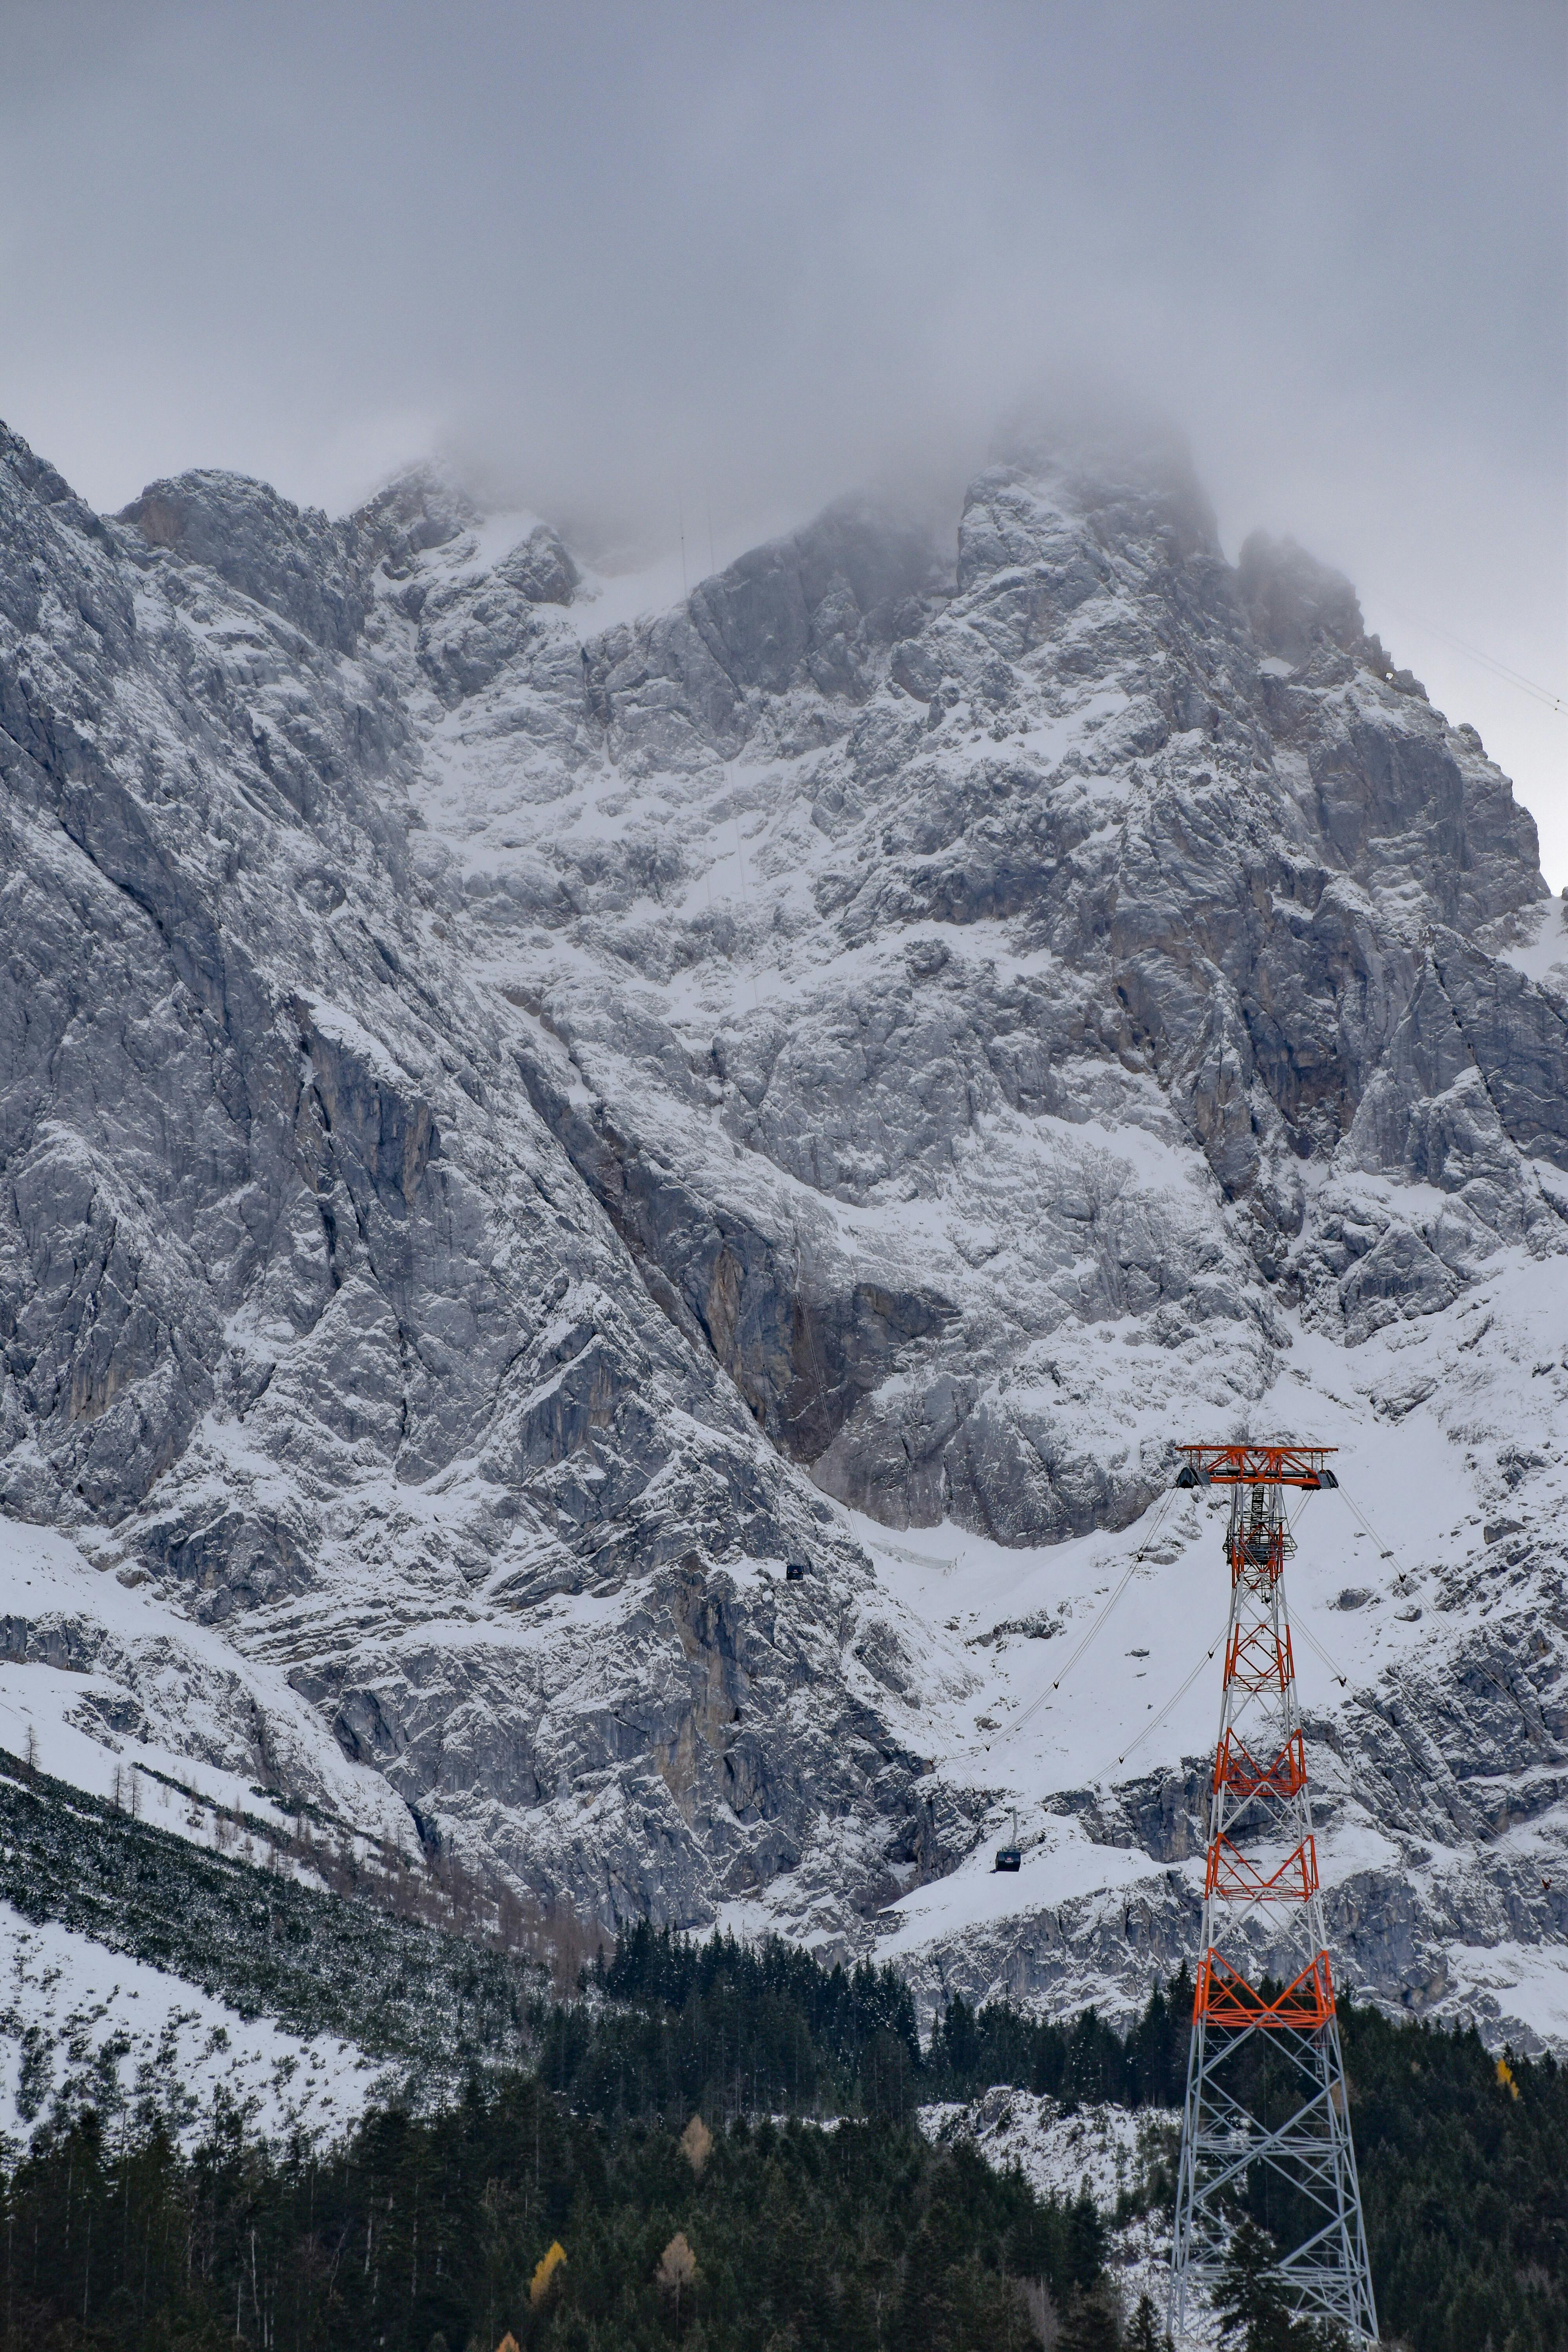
[{"x": 578, "y": 2206}]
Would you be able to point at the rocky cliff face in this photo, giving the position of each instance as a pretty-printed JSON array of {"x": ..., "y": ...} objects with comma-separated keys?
[{"x": 516, "y": 1123}]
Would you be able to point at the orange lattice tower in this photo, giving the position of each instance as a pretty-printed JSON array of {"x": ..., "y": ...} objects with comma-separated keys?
[{"x": 1267, "y": 2119}]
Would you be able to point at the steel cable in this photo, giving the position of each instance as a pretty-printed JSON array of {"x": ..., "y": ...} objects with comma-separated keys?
[
  {"x": 1387, "y": 1551},
  {"x": 1133, "y": 1564},
  {"x": 1502, "y": 669},
  {"x": 1176, "y": 1697}
]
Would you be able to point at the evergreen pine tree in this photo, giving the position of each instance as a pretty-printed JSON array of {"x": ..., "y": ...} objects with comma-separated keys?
[
  {"x": 1251, "y": 2298},
  {"x": 1090, "y": 2324},
  {"x": 1146, "y": 2335},
  {"x": 1086, "y": 2241}
]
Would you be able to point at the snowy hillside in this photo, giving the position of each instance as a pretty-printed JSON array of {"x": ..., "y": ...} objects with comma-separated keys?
[
  {"x": 160, "y": 1953},
  {"x": 528, "y": 1104},
  {"x": 83, "y": 2026}
]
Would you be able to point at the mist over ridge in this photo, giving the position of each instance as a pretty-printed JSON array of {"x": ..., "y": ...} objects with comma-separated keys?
[{"x": 634, "y": 276}]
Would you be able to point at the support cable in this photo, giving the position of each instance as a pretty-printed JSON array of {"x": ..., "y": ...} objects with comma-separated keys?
[
  {"x": 1132, "y": 1565},
  {"x": 1174, "y": 1701},
  {"x": 1387, "y": 1551},
  {"x": 1178, "y": 1696},
  {"x": 1502, "y": 670},
  {"x": 1300, "y": 1625}
]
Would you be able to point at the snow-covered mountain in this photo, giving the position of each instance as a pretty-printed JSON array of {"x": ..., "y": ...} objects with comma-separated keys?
[{"x": 521, "y": 1113}]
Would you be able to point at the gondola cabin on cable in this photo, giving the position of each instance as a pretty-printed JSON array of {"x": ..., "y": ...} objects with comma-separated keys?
[
  {"x": 1009, "y": 1856},
  {"x": 796, "y": 1571}
]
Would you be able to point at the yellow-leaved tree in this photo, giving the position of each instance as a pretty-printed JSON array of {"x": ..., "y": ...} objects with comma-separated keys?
[
  {"x": 544, "y": 2273},
  {"x": 697, "y": 2145},
  {"x": 677, "y": 2271}
]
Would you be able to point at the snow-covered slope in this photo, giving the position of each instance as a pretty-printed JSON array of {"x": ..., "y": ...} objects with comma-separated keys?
[
  {"x": 525, "y": 1106},
  {"x": 84, "y": 2026}
]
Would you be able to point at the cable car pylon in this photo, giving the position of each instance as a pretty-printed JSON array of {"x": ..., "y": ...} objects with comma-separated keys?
[{"x": 1266, "y": 2123}]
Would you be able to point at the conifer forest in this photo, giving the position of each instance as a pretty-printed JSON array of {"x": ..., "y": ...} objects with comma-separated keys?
[{"x": 721, "y": 2143}]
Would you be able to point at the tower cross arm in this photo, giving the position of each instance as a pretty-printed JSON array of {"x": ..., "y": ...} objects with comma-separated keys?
[{"x": 1280, "y": 1464}]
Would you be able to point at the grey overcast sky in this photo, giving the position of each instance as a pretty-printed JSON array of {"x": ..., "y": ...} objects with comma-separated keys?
[{"x": 628, "y": 262}]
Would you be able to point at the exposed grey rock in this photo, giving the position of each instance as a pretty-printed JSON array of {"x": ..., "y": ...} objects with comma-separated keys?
[
  {"x": 541, "y": 567},
  {"x": 804, "y": 623},
  {"x": 294, "y": 561},
  {"x": 419, "y": 510},
  {"x": 1298, "y": 608},
  {"x": 1517, "y": 1036}
]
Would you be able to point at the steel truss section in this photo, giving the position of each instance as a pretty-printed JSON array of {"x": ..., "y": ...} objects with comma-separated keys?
[{"x": 1266, "y": 2040}]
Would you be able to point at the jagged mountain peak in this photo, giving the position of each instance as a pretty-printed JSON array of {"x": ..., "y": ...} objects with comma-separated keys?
[
  {"x": 422, "y": 506},
  {"x": 36, "y": 478},
  {"x": 1297, "y": 605},
  {"x": 290, "y": 559},
  {"x": 1112, "y": 458}
]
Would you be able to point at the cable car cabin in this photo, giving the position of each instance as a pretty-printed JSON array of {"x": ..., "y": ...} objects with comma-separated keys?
[
  {"x": 1009, "y": 1858},
  {"x": 795, "y": 1570}
]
